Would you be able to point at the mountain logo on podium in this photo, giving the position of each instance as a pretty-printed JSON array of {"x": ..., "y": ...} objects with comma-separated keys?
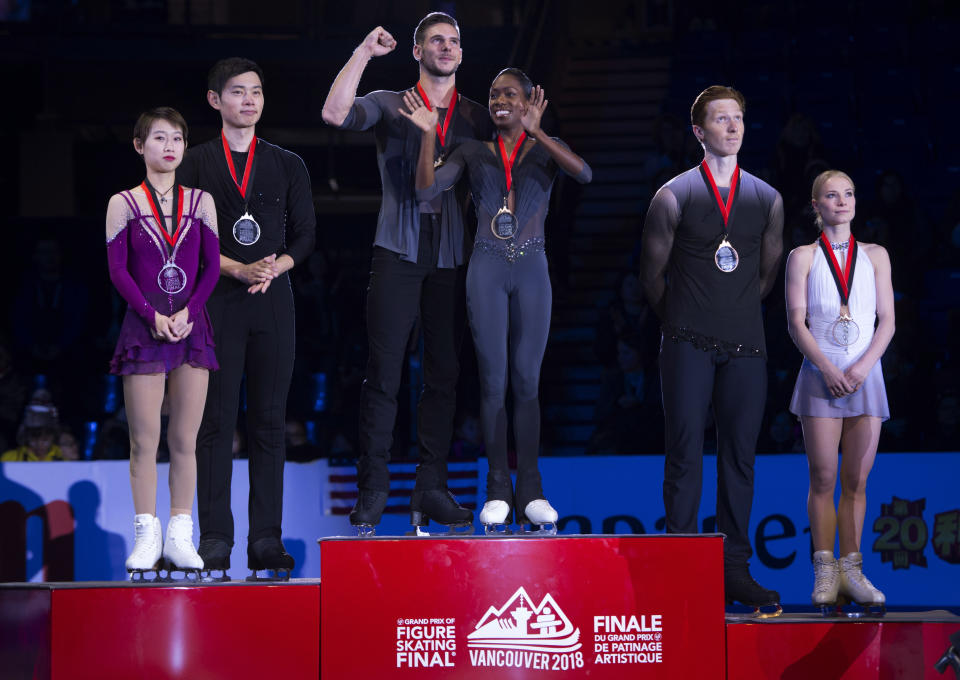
[{"x": 521, "y": 625}]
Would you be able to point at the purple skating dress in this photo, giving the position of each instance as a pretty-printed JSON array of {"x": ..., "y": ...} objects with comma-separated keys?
[
  {"x": 810, "y": 394},
  {"x": 136, "y": 253}
]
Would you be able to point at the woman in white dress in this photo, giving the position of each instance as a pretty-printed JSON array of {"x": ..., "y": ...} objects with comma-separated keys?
[{"x": 840, "y": 316}]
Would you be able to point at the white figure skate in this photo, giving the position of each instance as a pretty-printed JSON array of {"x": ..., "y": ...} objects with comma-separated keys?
[
  {"x": 147, "y": 547},
  {"x": 179, "y": 553},
  {"x": 857, "y": 588},
  {"x": 540, "y": 514}
]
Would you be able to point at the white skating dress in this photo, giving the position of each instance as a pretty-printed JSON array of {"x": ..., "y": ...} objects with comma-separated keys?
[{"x": 810, "y": 395}]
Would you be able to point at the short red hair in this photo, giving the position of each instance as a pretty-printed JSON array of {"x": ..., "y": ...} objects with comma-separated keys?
[{"x": 698, "y": 112}]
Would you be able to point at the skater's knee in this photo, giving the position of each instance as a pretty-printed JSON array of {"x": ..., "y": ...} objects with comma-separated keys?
[
  {"x": 143, "y": 447},
  {"x": 526, "y": 385},
  {"x": 822, "y": 481},
  {"x": 854, "y": 485},
  {"x": 494, "y": 392}
]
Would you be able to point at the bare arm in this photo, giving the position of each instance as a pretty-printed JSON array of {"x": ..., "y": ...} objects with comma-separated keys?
[
  {"x": 663, "y": 216},
  {"x": 771, "y": 247},
  {"x": 886, "y": 325},
  {"x": 344, "y": 89},
  {"x": 798, "y": 269}
]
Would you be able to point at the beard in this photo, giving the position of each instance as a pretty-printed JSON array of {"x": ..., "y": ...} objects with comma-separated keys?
[{"x": 433, "y": 69}]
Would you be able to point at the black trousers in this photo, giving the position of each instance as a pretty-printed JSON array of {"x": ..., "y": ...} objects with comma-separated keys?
[
  {"x": 254, "y": 335},
  {"x": 692, "y": 379},
  {"x": 397, "y": 293}
]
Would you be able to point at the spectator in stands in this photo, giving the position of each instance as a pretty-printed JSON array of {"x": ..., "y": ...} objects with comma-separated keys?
[
  {"x": 49, "y": 313},
  {"x": 13, "y": 396},
  {"x": 38, "y": 433},
  {"x": 628, "y": 415},
  {"x": 628, "y": 314},
  {"x": 69, "y": 446},
  {"x": 299, "y": 448},
  {"x": 892, "y": 218}
]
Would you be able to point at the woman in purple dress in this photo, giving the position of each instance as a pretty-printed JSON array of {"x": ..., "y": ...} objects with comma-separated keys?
[
  {"x": 840, "y": 315},
  {"x": 164, "y": 260}
]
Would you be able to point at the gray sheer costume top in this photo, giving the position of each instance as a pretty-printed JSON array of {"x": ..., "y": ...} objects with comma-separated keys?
[
  {"x": 533, "y": 174},
  {"x": 683, "y": 228},
  {"x": 398, "y": 146}
]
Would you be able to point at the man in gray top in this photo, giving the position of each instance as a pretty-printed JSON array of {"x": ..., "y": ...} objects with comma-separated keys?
[{"x": 417, "y": 251}]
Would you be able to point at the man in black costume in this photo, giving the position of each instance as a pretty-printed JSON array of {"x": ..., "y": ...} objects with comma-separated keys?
[{"x": 712, "y": 242}]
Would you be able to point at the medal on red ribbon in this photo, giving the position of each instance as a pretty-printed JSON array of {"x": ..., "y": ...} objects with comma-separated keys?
[
  {"x": 505, "y": 224},
  {"x": 845, "y": 330},
  {"x": 726, "y": 257},
  {"x": 246, "y": 230},
  {"x": 171, "y": 278},
  {"x": 441, "y": 130}
]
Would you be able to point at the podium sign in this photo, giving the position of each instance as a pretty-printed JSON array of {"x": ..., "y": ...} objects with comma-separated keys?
[{"x": 492, "y": 607}]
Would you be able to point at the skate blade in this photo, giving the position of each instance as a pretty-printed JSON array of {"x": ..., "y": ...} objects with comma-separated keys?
[
  {"x": 365, "y": 530},
  {"x": 869, "y": 610},
  {"x": 140, "y": 575},
  {"x": 499, "y": 529},
  {"x": 277, "y": 575},
  {"x": 207, "y": 576},
  {"x": 545, "y": 529},
  {"x": 449, "y": 530},
  {"x": 830, "y": 610},
  {"x": 759, "y": 613}
]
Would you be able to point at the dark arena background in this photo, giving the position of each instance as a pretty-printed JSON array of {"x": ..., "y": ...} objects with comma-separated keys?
[{"x": 870, "y": 88}]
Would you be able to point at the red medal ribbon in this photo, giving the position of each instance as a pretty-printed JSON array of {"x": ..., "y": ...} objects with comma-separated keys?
[
  {"x": 724, "y": 209},
  {"x": 158, "y": 216},
  {"x": 843, "y": 279},
  {"x": 242, "y": 188},
  {"x": 441, "y": 131},
  {"x": 508, "y": 163}
]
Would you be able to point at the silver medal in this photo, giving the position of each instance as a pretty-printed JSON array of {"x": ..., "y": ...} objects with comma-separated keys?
[
  {"x": 246, "y": 231},
  {"x": 726, "y": 257},
  {"x": 171, "y": 279}
]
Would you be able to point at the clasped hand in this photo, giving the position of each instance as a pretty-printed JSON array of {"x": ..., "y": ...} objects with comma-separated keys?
[
  {"x": 258, "y": 275},
  {"x": 173, "y": 328}
]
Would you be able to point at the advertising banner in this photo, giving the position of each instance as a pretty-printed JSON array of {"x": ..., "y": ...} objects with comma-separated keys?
[{"x": 74, "y": 521}]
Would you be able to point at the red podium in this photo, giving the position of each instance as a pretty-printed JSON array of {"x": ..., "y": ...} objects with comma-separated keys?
[
  {"x": 107, "y": 631},
  {"x": 800, "y": 646},
  {"x": 502, "y": 607}
]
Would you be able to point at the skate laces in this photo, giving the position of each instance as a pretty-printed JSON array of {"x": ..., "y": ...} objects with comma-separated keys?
[
  {"x": 826, "y": 581},
  {"x": 142, "y": 531},
  {"x": 144, "y": 540},
  {"x": 180, "y": 532}
]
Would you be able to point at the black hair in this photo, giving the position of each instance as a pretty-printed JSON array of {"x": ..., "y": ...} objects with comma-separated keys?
[
  {"x": 432, "y": 19},
  {"x": 141, "y": 129},
  {"x": 225, "y": 69},
  {"x": 524, "y": 79}
]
